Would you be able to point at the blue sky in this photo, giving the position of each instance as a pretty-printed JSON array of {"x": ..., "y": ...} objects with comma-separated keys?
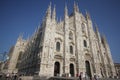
[{"x": 23, "y": 16}]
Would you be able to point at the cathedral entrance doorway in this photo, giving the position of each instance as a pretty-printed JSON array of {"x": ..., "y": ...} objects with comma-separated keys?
[
  {"x": 56, "y": 68},
  {"x": 88, "y": 70},
  {"x": 72, "y": 70}
]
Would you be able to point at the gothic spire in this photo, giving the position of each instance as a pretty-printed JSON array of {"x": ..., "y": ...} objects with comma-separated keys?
[
  {"x": 75, "y": 7},
  {"x": 54, "y": 13},
  {"x": 66, "y": 11},
  {"x": 48, "y": 13},
  {"x": 20, "y": 36},
  {"x": 87, "y": 15},
  {"x": 97, "y": 31},
  {"x": 104, "y": 38},
  {"x": 96, "y": 28}
]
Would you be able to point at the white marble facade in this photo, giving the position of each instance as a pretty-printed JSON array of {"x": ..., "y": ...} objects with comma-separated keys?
[{"x": 71, "y": 46}]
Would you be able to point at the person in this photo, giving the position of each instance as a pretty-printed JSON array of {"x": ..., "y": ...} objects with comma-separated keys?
[
  {"x": 80, "y": 76},
  {"x": 95, "y": 76},
  {"x": 83, "y": 76},
  {"x": 117, "y": 76},
  {"x": 15, "y": 76},
  {"x": 0, "y": 76},
  {"x": 87, "y": 77},
  {"x": 77, "y": 75},
  {"x": 7, "y": 76}
]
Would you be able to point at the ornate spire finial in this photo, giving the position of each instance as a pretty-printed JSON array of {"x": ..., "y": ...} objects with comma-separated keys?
[
  {"x": 75, "y": 7},
  {"x": 66, "y": 10},
  {"x": 20, "y": 36},
  {"x": 48, "y": 13},
  {"x": 104, "y": 37},
  {"x": 104, "y": 41},
  {"x": 54, "y": 13},
  {"x": 87, "y": 15},
  {"x": 74, "y": 4},
  {"x": 96, "y": 27}
]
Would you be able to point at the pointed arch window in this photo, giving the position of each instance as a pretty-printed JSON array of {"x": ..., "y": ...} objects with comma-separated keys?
[
  {"x": 70, "y": 35},
  {"x": 72, "y": 69},
  {"x": 71, "y": 49},
  {"x": 58, "y": 46},
  {"x": 85, "y": 43}
]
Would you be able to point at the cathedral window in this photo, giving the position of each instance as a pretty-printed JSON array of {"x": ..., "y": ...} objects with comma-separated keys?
[
  {"x": 71, "y": 35},
  {"x": 58, "y": 46},
  {"x": 85, "y": 43},
  {"x": 71, "y": 49},
  {"x": 83, "y": 27}
]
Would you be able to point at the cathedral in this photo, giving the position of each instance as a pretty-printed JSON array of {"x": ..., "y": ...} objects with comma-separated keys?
[{"x": 70, "y": 46}]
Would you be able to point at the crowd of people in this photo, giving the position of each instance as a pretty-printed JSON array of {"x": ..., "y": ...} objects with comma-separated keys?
[
  {"x": 86, "y": 77},
  {"x": 15, "y": 76},
  {"x": 8, "y": 76}
]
